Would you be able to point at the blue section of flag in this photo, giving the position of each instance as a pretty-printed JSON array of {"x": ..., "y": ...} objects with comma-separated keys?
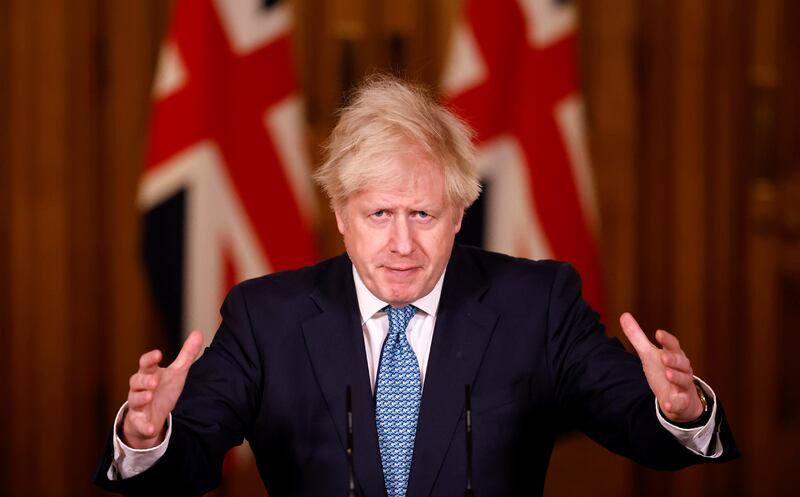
[
  {"x": 163, "y": 249},
  {"x": 473, "y": 225}
]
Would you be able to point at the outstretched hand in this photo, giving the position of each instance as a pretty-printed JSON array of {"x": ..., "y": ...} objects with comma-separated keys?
[
  {"x": 154, "y": 391},
  {"x": 668, "y": 372}
]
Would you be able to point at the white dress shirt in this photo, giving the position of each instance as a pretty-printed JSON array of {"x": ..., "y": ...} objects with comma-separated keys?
[
  {"x": 375, "y": 326},
  {"x": 129, "y": 462}
]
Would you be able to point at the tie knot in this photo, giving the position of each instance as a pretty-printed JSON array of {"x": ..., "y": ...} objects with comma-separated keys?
[{"x": 399, "y": 318}]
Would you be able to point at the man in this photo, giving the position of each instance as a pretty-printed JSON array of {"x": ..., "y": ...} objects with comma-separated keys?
[{"x": 406, "y": 319}]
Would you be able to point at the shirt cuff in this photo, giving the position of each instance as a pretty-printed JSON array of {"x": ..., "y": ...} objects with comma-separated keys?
[
  {"x": 698, "y": 440},
  {"x": 129, "y": 462}
]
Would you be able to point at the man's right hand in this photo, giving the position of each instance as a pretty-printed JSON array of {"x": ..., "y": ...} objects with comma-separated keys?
[{"x": 153, "y": 393}]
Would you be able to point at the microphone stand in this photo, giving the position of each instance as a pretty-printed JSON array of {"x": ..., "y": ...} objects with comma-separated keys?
[
  {"x": 351, "y": 484},
  {"x": 468, "y": 424}
]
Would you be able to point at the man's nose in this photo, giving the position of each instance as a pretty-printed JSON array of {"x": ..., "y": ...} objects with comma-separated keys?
[{"x": 402, "y": 241}]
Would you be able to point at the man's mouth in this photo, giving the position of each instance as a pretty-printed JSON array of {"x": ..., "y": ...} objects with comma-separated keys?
[{"x": 401, "y": 271}]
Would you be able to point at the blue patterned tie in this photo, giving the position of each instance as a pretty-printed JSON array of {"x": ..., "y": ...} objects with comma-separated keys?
[{"x": 397, "y": 398}]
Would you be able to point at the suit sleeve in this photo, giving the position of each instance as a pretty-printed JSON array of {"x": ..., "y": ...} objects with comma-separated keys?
[
  {"x": 213, "y": 414},
  {"x": 601, "y": 388}
]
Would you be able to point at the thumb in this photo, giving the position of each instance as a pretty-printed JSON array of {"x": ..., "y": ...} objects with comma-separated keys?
[
  {"x": 189, "y": 352},
  {"x": 635, "y": 334}
]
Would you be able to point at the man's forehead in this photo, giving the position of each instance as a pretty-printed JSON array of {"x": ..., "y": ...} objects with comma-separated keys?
[
  {"x": 389, "y": 195},
  {"x": 401, "y": 152},
  {"x": 390, "y": 170}
]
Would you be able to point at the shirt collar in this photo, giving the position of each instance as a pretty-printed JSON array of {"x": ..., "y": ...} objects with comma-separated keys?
[{"x": 369, "y": 304}]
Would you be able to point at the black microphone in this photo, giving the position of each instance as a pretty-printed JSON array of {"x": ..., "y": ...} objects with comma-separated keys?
[
  {"x": 468, "y": 424},
  {"x": 351, "y": 485}
]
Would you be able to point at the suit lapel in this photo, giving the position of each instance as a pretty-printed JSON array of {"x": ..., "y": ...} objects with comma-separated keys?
[
  {"x": 463, "y": 329},
  {"x": 336, "y": 347}
]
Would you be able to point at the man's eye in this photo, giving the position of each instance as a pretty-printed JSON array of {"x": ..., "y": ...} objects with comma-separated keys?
[
  {"x": 422, "y": 215},
  {"x": 379, "y": 214}
]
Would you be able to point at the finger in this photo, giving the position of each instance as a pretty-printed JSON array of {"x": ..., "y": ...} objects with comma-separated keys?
[
  {"x": 148, "y": 362},
  {"x": 668, "y": 341},
  {"x": 139, "y": 382},
  {"x": 677, "y": 361},
  {"x": 675, "y": 405},
  {"x": 673, "y": 408},
  {"x": 679, "y": 403},
  {"x": 137, "y": 400},
  {"x": 635, "y": 334},
  {"x": 678, "y": 378},
  {"x": 147, "y": 429},
  {"x": 138, "y": 425},
  {"x": 189, "y": 352}
]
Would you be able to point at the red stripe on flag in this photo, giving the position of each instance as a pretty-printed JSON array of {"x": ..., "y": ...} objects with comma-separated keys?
[
  {"x": 524, "y": 85},
  {"x": 226, "y": 99}
]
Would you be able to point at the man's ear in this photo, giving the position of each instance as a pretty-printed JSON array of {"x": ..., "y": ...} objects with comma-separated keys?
[
  {"x": 338, "y": 211},
  {"x": 459, "y": 218}
]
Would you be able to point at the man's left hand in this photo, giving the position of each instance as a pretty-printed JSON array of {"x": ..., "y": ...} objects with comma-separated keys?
[{"x": 668, "y": 372}]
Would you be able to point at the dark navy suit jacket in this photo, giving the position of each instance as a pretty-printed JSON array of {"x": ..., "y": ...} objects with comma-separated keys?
[{"x": 518, "y": 331}]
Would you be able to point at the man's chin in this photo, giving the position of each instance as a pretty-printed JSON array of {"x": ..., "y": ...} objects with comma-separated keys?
[{"x": 398, "y": 296}]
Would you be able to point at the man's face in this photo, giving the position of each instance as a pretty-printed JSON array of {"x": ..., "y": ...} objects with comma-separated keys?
[{"x": 399, "y": 235}]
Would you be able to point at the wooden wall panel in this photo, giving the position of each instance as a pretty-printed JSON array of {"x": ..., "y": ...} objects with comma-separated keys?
[
  {"x": 609, "y": 37},
  {"x": 774, "y": 251},
  {"x": 656, "y": 67},
  {"x": 39, "y": 313},
  {"x": 691, "y": 176},
  {"x": 687, "y": 200},
  {"x": 87, "y": 298},
  {"x": 654, "y": 182},
  {"x": 133, "y": 35},
  {"x": 19, "y": 222},
  {"x": 6, "y": 263},
  {"x": 692, "y": 161},
  {"x": 56, "y": 292},
  {"x": 725, "y": 327},
  {"x": 762, "y": 385}
]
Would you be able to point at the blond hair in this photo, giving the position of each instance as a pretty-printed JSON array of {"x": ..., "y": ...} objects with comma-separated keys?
[{"x": 386, "y": 115}]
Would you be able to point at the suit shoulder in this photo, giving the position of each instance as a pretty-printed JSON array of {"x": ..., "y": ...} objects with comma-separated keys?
[
  {"x": 291, "y": 282},
  {"x": 502, "y": 266}
]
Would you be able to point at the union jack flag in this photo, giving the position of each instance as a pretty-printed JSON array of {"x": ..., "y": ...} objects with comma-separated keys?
[
  {"x": 512, "y": 75},
  {"x": 226, "y": 192}
]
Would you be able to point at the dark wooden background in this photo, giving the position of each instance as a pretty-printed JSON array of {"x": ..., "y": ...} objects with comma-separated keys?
[{"x": 694, "y": 121}]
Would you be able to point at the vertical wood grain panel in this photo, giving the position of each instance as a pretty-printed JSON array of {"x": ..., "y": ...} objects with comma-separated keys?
[
  {"x": 6, "y": 338},
  {"x": 655, "y": 156},
  {"x": 88, "y": 259},
  {"x": 725, "y": 332},
  {"x": 608, "y": 41},
  {"x": 135, "y": 30},
  {"x": 688, "y": 199},
  {"x": 762, "y": 295},
  {"x": 774, "y": 258},
  {"x": 423, "y": 41},
  {"x": 315, "y": 71},
  {"x": 448, "y": 12},
  {"x": 39, "y": 314},
  {"x": 702, "y": 223},
  {"x": 788, "y": 131},
  {"x": 760, "y": 384},
  {"x": 50, "y": 275},
  {"x": 22, "y": 467}
]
